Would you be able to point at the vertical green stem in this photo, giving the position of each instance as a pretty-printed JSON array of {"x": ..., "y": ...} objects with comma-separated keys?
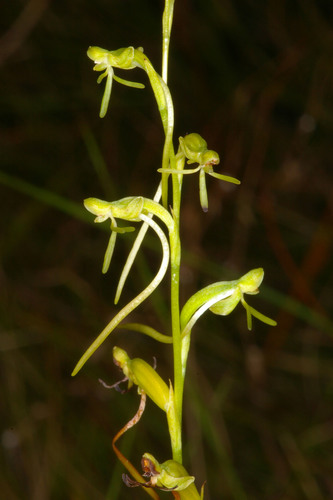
[
  {"x": 175, "y": 322},
  {"x": 166, "y": 31},
  {"x": 175, "y": 310},
  {"x": 175, "y": 246}
]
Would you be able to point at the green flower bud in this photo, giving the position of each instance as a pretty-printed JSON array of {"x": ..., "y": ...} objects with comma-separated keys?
[{"x": 226, "y": 306}]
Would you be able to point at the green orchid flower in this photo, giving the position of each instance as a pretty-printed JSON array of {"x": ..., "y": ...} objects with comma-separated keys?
[
  {"x": 106, "y": 60},
  {"x": 194, "y": 148},
  {"x": 222, "y": 297},
  {"x": 133, "y": 209}
]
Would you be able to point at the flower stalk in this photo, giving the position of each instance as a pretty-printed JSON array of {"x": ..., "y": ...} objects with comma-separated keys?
[{"x": 163, "y": 216}]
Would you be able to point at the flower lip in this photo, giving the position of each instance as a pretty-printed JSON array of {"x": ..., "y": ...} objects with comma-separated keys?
[{"x": 148, "y": 467}]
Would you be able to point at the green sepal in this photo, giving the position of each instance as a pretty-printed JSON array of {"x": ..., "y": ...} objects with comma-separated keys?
[
  {"x": 214, "y": 292},
  {"x": 226, "y": 306},
  {"x": 174, "y": 476},
  {"x": 193, "y": 147},
  {"x": 121, "y": 58}
]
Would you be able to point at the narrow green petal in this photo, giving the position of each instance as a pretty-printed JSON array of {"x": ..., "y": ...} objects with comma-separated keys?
[
  {"x": 128, "y": 83},
  {"x": 226, "y": 178},
  {"x": 106, "y": 96},
  {"x": 250, "y": 311},
  {"x": 203, "y": 191},
  {"x": 262, "y": 317},
  {"x": 248, "y": 317},
  {"x": 109, "y": 252},
  {"x": 179, "y": 172},
  {"x": 122, "y": 230}
]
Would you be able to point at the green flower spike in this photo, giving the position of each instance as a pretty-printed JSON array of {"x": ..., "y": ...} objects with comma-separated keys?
[
  {"x": 194, "y": 148},
  {"x": 107, "y": 60},
  {"x": 168, "y": 476},
  {"x": 222, "y": 298}
]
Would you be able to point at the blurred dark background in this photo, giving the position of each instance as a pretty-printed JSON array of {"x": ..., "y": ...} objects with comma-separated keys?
[{"x": 255, "y": 79}]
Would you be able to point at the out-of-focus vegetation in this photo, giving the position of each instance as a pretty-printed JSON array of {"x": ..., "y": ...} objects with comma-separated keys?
[{"x": 254, "y": 78}]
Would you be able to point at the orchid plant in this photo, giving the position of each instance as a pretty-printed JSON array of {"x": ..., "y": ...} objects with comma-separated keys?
[{"x": 221, "y": 298}]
